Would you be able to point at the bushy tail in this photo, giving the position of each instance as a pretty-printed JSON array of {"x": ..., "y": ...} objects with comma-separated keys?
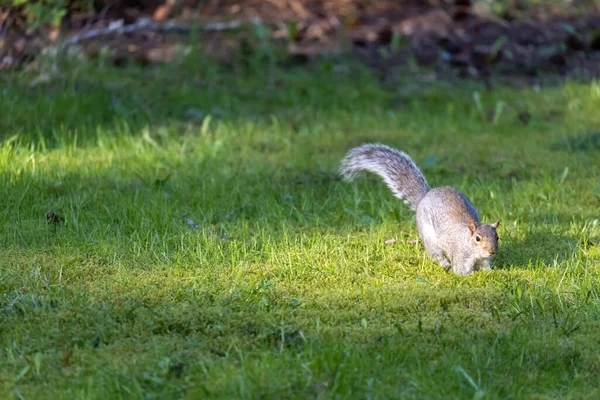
[{"x": 397, "y": 169}]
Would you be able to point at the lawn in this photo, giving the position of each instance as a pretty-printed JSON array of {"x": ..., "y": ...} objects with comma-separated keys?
[{"x": 181, "y": 232}]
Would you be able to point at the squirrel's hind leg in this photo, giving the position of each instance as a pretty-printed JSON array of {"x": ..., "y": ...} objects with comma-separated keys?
[
  {"x": 439, "y": 256},
  {"x": 444, "y": 262},
  {"x": 432, "y": 247}
]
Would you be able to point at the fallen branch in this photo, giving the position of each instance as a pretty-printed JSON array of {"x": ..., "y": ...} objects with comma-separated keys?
[
  {"x": 6, "y": 22},
  {"x": 118, "y": 27}
]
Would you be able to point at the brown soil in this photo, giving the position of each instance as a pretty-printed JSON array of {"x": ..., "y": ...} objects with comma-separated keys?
[{"x": 450, "y": 37}]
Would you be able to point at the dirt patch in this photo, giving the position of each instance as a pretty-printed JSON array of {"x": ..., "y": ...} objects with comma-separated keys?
[{"x": 450, "y": 37}]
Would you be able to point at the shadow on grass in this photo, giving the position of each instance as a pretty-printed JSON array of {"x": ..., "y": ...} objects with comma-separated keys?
[
  {"x": 92, "y": 101},
  {"x": 586, "y": 141},
  {"x": 538, "y": 247}
]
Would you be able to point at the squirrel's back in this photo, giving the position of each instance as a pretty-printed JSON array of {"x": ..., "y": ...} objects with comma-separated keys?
[
  {"x": 395, "y": 167},
  {"x": 448, "y": 205}
]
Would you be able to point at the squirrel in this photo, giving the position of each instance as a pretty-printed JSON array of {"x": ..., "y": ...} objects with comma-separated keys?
[{"x": 447, "y": 222}]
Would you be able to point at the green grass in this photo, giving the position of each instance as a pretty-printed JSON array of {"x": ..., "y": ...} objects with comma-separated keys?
[{"x": 286, "y": 288}]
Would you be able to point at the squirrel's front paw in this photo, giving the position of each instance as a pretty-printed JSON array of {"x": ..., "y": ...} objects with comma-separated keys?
[{"x": 485, "y": 265}]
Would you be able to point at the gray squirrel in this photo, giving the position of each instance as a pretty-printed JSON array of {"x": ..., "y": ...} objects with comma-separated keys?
[{"x": 448, "y": 223}]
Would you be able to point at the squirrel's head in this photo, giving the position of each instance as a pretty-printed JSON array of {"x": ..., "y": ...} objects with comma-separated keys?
[{"x": 484, "y": 237}]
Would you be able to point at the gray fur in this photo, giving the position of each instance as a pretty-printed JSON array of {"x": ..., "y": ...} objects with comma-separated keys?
[
  {"x": 397, "y": 169},
  {"x": 446, "y": 212},
  {"x": 443, "y": 214}
]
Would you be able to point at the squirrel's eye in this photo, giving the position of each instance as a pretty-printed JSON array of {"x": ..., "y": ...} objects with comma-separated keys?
[{"x": 477, "y": 238}]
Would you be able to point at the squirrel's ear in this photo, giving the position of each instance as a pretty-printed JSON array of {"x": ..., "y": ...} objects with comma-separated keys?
[
  {"x": 495, "y": 224},
  {"x": 472, "y": 226}
]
